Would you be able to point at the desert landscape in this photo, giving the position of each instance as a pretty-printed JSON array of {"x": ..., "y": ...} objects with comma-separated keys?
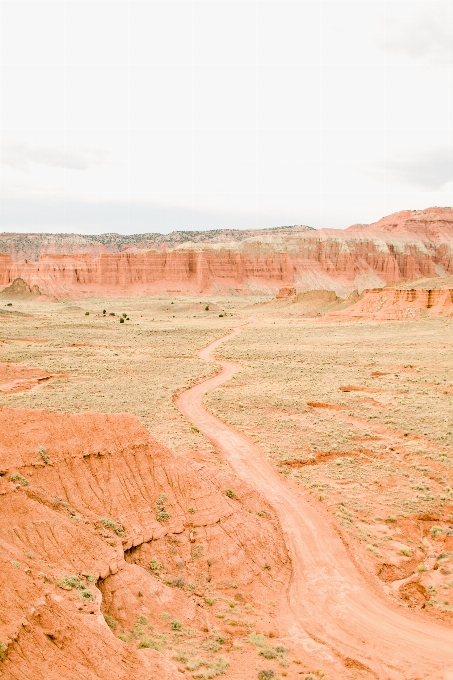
[{"x": 230, "y": 455}]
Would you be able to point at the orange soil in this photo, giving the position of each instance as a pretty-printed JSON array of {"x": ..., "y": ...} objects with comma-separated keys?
[{"x": 16, "y": 378}]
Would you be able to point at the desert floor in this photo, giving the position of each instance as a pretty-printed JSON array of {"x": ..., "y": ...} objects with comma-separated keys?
[{"x": 356, "y": 416}]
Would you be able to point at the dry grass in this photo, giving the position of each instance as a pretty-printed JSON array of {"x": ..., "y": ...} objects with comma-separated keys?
[{"x": 375, "y": 444}]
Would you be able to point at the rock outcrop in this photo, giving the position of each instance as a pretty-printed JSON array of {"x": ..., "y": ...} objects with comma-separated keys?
[
  {"x": 388, "y": 304},
  {"x": 407, "y": 245},
  {"x": 86, "y": 502}
]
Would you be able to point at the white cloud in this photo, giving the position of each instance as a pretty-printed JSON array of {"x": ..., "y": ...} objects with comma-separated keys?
[
  {"x": 426, "y": 33},
  {"x": 427, "y": 169},
  {"x": 19, "y": 155}
]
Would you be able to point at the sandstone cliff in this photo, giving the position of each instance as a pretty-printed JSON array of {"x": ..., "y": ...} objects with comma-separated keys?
[{"x": 406, "y": 245}]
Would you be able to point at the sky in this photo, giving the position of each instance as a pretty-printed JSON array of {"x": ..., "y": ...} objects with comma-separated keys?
[{"x": 136, "y": 116}]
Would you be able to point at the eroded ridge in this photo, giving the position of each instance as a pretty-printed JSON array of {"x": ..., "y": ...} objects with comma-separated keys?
[{"x": 329, "y": 600}]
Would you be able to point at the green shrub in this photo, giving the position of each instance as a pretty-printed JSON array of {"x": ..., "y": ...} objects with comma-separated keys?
[
  {"x": 42, "y": 451},
  {"x": 16, "y": 477},
  {"x": 85, "y": 594},
  {"x": 197, "y": 550},
  {"x": 209, "y": 601},
  {"x": 435, "y": 531},
  {"x": 112, "y": 314},
  {"x": 121, "y": 320},
  {"x": 176, "y": 625},
  {"x": 115, "y": 526},
  {"x": 230, "y": 493},
  {"x": 16, "y": 564},
  {"x": 125, "y": 316},
  {"x": 142, "y": 620},
  {"x": 149, "y": 643},
  {"x": 104, "y": 311},
  {"x": 110, "y": 621},
  {"x": 162, "y": 515},
  {"x": 268, "y": 653},
  {"x": 72, "y": 582},
  {"x": 206, "y": 309},
  {"x": 154, "y": 564},
  {"x": 266, "y": 675},
  {"x": 87, "y": 313}
]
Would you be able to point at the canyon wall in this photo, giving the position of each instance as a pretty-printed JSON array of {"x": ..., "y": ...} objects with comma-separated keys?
[{"x": 407, "y": 245}]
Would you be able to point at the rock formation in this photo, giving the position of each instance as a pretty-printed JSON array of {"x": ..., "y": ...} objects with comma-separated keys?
[
  {"x": 87, "y": 501},
  {"x": 407, "y": 245},
  {"x": 387, "y": 304}
]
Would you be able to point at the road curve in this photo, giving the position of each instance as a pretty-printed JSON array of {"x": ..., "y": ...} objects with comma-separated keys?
[{"x": 332, "y": 611}]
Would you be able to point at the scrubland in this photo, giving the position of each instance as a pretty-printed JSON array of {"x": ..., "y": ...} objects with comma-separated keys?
[{"x": 358, "y": 415}]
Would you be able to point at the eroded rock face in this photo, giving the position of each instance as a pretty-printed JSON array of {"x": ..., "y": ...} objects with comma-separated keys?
[
  {"x": 407, "y": 245},
  {"x": 393, "y": 304},
  {"x": 80, "y": 498}
]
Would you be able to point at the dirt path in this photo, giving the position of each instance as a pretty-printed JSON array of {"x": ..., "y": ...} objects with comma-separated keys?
[{"x": 332, "y": 611}]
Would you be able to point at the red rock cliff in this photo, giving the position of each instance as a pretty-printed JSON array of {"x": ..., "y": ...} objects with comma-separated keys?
[{"x": 406, "y": 245}]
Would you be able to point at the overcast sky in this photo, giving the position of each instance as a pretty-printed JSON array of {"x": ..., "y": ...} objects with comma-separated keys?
[{"x": 150, "y": 115}]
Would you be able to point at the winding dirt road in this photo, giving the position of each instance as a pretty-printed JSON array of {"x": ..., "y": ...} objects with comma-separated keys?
[{"x": 332, "y": 611}]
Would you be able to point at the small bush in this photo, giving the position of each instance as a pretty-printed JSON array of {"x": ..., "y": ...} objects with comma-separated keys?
[
  {"x": 154, "y": 564},
  {"x": 266, "y": 675},
  {"x": 209, "y": 601},
  {"x": 162, "y": 498},
  {"x": 16, "y": 564},
  {"x": 85, "y": 594},
  {"x": 197, "y": 550},
  {"x": 162, "y": 515},
  {"x": 268, "y": 653},
  {"x": 110, "y": 621},
  {"x": 9, "y": 304},
  {"x": 230, "y": 493},
  {"x": 192, "y": 511},
  {"x": 16, "y": 477},
  {"x": 142, "y": 620},
  {"x": 149, "y": 643},
  {"x": 206, "y": 309},
  {"x": 116, "y": 527},
  {"x": 104, "y": 311},
  {"x": 42, "y": 452},
  {"x": 72, "y": 582},
  {"x": 121, "y": 320},
  {"x": 435, "y": 531},
  {"x": 220, "y": 314},
  {"x": 87, "y": 313},
  {"x": 406, "y": 551},
  {"x": 176, "y": 625},
  {"x": 112, "y": 314},
  {"x": 176, "y": 582}
]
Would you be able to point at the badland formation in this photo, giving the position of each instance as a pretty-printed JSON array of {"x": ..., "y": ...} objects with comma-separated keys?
[{"x": 228, "y": 453}]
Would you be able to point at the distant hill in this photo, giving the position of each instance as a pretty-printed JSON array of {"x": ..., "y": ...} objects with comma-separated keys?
[{"x": 31, "y": 246}]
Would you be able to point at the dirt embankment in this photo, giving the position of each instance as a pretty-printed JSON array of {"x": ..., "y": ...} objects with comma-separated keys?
[{"x": 115, "y": 553}]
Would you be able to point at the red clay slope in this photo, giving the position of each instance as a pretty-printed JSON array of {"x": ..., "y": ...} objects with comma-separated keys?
[{"x": 80, "y": 498}]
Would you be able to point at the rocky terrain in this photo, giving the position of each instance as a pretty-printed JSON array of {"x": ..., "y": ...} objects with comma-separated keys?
[{"x": 404, "y": 246}]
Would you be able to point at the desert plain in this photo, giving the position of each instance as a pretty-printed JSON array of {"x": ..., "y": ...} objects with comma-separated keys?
[
  {"x": 185, "y": 563},
  {"x": 228, "y": 458}
]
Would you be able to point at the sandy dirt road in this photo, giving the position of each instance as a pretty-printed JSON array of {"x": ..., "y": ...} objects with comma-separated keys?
[{"x": 332, "y": 611}]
